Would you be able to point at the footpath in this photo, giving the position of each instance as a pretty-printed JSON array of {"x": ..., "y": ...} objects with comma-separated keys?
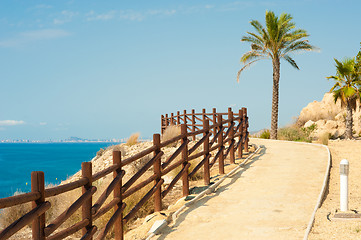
[{"x": 272, "y": 197}]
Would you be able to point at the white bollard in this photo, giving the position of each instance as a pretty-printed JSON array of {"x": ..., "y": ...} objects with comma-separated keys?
[{"x": 344, "y": 169}]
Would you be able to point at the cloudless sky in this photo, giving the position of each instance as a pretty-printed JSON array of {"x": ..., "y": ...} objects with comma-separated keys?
[{"x": 106, "y": 69}]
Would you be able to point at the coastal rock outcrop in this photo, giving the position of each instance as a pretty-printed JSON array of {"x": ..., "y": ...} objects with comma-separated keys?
[{"x": 329, "y": 117}]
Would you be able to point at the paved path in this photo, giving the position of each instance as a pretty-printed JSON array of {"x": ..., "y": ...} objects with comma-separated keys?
[{"x": 273, "y": 197}]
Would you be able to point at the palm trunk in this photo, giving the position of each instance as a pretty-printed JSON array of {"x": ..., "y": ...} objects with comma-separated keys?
[
  {"x": 348, "y": 120},
  {"x": 275, "y": 90}
]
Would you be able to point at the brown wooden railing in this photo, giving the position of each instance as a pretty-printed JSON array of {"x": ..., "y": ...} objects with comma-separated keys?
[{"x": 227, "y": 135}]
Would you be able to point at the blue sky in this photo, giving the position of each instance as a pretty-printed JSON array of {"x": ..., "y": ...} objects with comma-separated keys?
[{"x": 106, "y": 69}]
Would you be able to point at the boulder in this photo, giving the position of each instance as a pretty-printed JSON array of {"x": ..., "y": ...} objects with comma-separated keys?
[
  {"x": 309, "y": 123},
  {"x": 329, "y": 117}
]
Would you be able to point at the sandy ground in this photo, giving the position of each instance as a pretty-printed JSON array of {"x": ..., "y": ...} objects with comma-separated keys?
[
  {"x": 273, "y": 197},
  {"x": 323, "y": 227}
]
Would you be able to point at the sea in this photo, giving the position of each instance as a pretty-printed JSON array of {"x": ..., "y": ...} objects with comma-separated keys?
[{"x": 58, "y": 161}]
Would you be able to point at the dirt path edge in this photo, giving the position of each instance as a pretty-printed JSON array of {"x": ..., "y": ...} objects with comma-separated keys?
[{"x": 323, "y": 189}]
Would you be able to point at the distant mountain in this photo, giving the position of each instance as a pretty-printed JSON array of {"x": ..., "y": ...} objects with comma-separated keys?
[{"x": 75, "y": 139}]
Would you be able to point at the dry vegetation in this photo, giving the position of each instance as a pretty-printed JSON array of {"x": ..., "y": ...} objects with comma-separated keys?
[
  {"x": 11, "y": 214},
  {"x": 296, "y": 133},
  {"x": 171, "y": 132},
  {"x": 133, "y": 139},
  {"x": 61, "y": 202}
]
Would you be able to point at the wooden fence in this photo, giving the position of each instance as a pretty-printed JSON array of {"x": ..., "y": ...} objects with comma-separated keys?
[{"x": 227, "y": 129}]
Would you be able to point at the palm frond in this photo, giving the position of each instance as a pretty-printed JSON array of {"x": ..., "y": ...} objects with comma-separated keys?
[
  {"x": 289, "y": 39},
  {"x": 246, "y": 66},
  {"x": 256, "y": 47},
  {"x": 251, "y": 39},
  {"x": 335, "y": 87},
  {"x": 298, "y": 46},
  {"x": 284, "y": 26},
  {"x": 336, "y": 78},
  {"x": 297, "y": 34},
  {"x": 291, "y": 61},
  {"x": 272, "y": 25},
  {"x": 349, "y": 92},
  {"x": 258, "y": 26},
  {"x": 338, "y": 95},
  {"x": 251, "y": 55},
  {"x": 345, "y": 68}
]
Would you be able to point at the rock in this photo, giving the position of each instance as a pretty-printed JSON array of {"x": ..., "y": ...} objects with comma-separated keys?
[
  {"x": 309, "y": 123},
  {"x": 148, "y": 218},
  {"x": 329, "y": 117},
  {"x": 251, "y": 149},
  {"x": 157, "y": 226},
  {"x": 167, "y": 180},
  {"x": 331, "y": 124},
  {"x": 325, "y": 109},
  {"x": 321, "y": 123}
]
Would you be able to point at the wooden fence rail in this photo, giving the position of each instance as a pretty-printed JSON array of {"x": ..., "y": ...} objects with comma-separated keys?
[{"x": 226, "y": 135}]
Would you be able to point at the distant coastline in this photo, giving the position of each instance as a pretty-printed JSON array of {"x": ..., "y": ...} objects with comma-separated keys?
[{"x": 68, "y": 140}]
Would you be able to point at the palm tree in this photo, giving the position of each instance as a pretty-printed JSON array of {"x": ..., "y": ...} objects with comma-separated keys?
[
  {"x": 276, "y": 41},
  {"x": 346, "y": 88}
]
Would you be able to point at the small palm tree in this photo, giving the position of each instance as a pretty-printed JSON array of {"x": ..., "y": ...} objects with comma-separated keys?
[
  {"x": 275, "y": 41},
  {"x": 346, "y": 88}
]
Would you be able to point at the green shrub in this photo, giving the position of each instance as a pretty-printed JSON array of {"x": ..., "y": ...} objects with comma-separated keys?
[
  {"x": 293, "y": 134},
  {"x": 265, "y": 134}
]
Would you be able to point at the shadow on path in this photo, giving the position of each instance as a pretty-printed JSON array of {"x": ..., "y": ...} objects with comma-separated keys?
[{"x": 203, "y": 201}]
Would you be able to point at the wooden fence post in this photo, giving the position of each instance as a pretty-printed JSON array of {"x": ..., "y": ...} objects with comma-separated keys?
[
  {"x": 214, "y": 121},
  {"x": 231, "y": 135},
  {"x": 204, "y": 116},
  {"x": 162, "y": 124},
  {"x": 166, "y": 120},
  {"x": 171, "y": 119},
  {"x": 245, "y": 129},
  {"x": 206, "y": 175},
  {"x": 240, "y": 147},
  {"x": 38, "y": 185},
  {"x": 157, "y": 172},
  {"x": 185, "y": 179},
  {"x": 193, "y": 123},
  {"x": 220, "y": 142},
  {"x": 118, "y": 224},
  {"x": 185, "y": 117},
  {"x": 86, "y": 169},
  {"x": 178, "y": 117}
]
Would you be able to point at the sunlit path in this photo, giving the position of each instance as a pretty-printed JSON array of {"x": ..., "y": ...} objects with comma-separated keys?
[{"x": 273, "y": 198}]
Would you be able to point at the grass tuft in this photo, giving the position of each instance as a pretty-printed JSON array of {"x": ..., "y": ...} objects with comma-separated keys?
[
  {"x": 171, "y": 132},
  {"x": 133, "y": 139},
  {"x": 323, "y": 139}
]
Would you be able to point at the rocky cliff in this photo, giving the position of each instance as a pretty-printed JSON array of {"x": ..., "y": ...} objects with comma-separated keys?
[{"x": 329, "y": 117}]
